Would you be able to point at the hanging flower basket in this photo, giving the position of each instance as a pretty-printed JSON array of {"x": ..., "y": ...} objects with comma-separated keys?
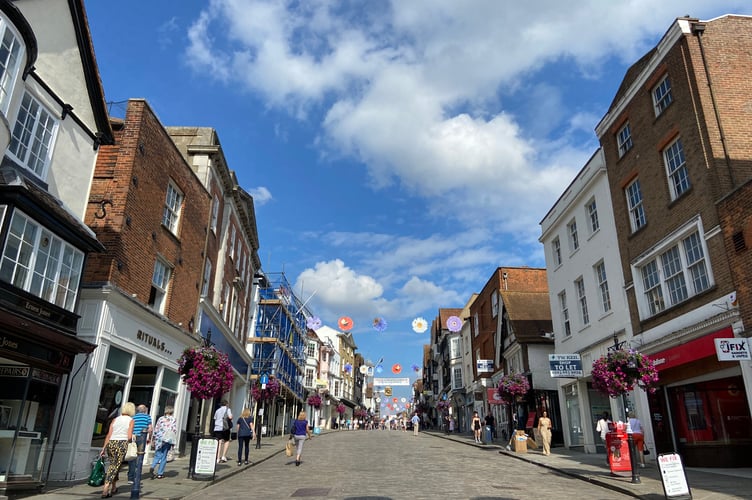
[
  {"x": 360, "y": 413},
  {"x": 443, "y": 405},
  {"x": 266, "y": 394},
  {"x": 511, "y": 387},
  {"x": 341, "y": 409},
  {"x": 206, "y": 371},
  {"x": 620, "y": 371},
  {"x": 314, "y": 400}
]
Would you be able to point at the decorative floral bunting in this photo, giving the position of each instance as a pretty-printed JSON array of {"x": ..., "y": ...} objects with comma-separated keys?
[
  {"x": 313, "y": 323},
  {"x": 397, "y": 368},
  {"x": 416, "y": 368},
  {"x": 420, "y": 325},
  {"x": 345, "y": 323},
  {"x": 379, "y": 324},
  {"x": 379, "y": 369},
  {"x": 454, "y": 324},
  {"x": 348, "y": 367}
]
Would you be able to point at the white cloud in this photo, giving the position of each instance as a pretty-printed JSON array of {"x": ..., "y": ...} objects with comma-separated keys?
[{"x": 261, "y": 195}]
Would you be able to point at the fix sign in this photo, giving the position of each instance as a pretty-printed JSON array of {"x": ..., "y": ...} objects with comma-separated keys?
[{"x": 732, "y": 349}]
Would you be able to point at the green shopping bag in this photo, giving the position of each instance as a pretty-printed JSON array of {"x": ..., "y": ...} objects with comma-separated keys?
[{"x": 97, "y": 473}]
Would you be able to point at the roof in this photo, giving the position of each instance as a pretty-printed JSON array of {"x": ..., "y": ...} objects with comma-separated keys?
[{"x": 529, "y": 313}]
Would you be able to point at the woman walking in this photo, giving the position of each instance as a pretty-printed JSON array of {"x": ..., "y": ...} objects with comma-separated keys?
[
  {"x": 245, "y": 434},
  {"x": 476, "y": 424},
  {"x": 115, "y": 443},
  {"x": 300, "y": 432},
  {"x": 165, "y": 435},
  {"x": 544, "y": 427}
]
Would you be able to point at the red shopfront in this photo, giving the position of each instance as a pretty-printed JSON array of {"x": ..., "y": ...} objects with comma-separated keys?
[{"x": 701, "y": 408}]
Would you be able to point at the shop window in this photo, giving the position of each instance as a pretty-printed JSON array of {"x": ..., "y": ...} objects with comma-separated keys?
[
  {"x": 169, "y": 392},
  {"x": 111, "y": 396}
]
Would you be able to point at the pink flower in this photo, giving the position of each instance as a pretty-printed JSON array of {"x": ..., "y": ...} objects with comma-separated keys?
[
  {"x": 618, "y": 372},
  {"x": 206, "y": 371},
  {"x": 513, "y": 386}
]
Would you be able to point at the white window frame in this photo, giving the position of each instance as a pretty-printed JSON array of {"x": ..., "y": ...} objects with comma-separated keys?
[
  {"x": 309, "y": 377},
  {"x": 172, "y": 208},
  {"x": 207, "y": 278},
  {"x": 633, "y": 193},
  {"x": 160, "y": 285},
  {"x": 311, "y": 350},
  {"x": 13, "y": 52},
  {"x": 454, "y": 348},
  {"x": 601, "y": 279},
  {"x": 592, "y": 212},
  {"x": 579, "y": 287},
  {"x": 33, "y": 136},
  {"x": 231, "y": 242},
  {"x": 662, "y": 96},
  {"x": 494, "y": 303},
  {"x": 574, "y": 239},
  {"x": 215, "y": 214},
  {"x": 678, "y": 264},
  {"x": 476, "y": 325},
  {"x": 676, "y": 168},
  {"x": 624, "y": 139},
  {"x": 564, "y": 311},
  {"x": 37, "y": 261},
  {"x": 457, "y": 377},
  {"x": 556, "y": 251}
]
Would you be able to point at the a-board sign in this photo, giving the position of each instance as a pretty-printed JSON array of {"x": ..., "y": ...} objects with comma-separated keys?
[
  {"x": 206, "y": 456},
  {"x": 673, "y": 477}
]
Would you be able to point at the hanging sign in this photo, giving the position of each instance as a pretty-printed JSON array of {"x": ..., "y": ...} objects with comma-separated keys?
[
  {"x": 732, "y": 349},
  {"x": 565, "y": 365}
]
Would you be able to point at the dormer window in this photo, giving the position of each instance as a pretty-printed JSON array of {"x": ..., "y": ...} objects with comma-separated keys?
[{"x": 33, "y": 136}]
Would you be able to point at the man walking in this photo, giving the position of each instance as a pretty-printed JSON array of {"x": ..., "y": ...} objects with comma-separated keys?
[
  {"x": 142, "y": 430},
  {"x": 416, "y": 424}
]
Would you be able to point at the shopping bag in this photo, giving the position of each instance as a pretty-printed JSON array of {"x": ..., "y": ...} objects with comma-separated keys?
[
  {"x": 131, "y": 452},
  {"x": 289, "y": 447},
  {"x": 97, "y": 473}
]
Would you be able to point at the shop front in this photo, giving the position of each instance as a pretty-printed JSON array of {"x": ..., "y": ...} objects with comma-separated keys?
[{"x": 701, "y": 408}]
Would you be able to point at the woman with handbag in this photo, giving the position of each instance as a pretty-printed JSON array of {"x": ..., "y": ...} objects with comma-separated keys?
[
  {"x": 300, "y": 431},
  {"x": 245, "y": 434},
  {"x": 115, "y": 444},
  {"x": 165, "y": 435}
]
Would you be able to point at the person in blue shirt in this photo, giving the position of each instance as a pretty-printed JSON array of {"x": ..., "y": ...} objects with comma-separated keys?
[{"x": 142, "y": 430}]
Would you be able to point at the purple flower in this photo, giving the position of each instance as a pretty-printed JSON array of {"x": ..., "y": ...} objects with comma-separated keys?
[
  {"x": 618, "y": 372},
  {"x": 205, "y": 371}
]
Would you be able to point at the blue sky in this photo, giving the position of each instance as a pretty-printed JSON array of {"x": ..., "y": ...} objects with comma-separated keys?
[{"x": 397, "y": 152}]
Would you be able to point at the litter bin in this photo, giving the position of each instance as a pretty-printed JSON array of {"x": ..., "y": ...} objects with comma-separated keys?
[{"x": 487, "y": 435}]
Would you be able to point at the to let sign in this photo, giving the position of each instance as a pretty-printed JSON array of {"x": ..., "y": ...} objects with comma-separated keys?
[
  {"x": 732, "y": 349},
  {"x": 565, "y": 365}
]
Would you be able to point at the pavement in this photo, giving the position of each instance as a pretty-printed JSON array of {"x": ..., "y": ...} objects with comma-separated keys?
[{"x": 704, "y": 484}]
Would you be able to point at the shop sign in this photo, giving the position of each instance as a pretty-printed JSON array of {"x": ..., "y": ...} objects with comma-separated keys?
[
  {"x": 732, "y": 349},
  {"x": 493, "y": 396},
  {"x": 687, "y": 352},
  {"x": 485, "y": 365},
  {"x": 673, "y": 476},
  {"x": 152, "y": 341},
  {"x": 565, "y": 365}
]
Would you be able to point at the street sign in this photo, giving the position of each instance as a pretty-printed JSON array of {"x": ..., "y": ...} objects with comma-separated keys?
[
  {"x": 264, "y": 379},
  {"x": 732, "y": 349},
  {"x": 565, "y": 365},
  {"x": 485, "y": 365}
]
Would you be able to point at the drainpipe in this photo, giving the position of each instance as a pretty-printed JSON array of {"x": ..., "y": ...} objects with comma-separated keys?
[{"x": 698, "y": 29}]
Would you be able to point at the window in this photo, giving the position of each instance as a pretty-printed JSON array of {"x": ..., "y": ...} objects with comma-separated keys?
[
  {"x": 556, "y": 251},
  {"x": 600, "y": 279},
  {"x": 10, "y": 52},
  {"x": 624, "y": 139},
  {"x": 33, "y": 135},
  {"x": 309, "y": 377},
  {"x": 215, "y": 214},
  {"x": 592, "y": 211},
  {"x": 662, "y": 96},
  {"x": 676, "y": 167},
  {"x": 454, "y": 348},
  {"x": 675, "y": 274},
  {"x": 495, "y": 303},
  {"x": 117, "y": 371},
  {"x": 336, "y": 389},
  {"x": 231, "y": 243},
  {"x": 475, "y": 325},
  {"x": 159, "y": 284},
  {"x": 574, "y": 240},
  {"x": 457, "y": 377},
  {"x": 40, "y": 263},
  {"x": 579, "y": 285},
  {"x": 564, "y": 313},
  {"x": 173, "y": 203},
  {"x": 311, "y": 349},
  {"x": 634, "y": 203},
  {"x": 207, "y": 278}
]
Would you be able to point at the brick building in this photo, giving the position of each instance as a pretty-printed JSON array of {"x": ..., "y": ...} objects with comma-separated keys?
[{"x": 676, "y": 139}]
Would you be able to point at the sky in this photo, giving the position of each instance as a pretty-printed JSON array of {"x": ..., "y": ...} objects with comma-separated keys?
[{"x": 397, "y": 152}]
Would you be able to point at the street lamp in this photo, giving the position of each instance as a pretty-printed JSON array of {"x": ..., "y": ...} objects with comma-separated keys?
[
  {"x": 205, "y": 342},
  {"x": 630, "y": 439}
]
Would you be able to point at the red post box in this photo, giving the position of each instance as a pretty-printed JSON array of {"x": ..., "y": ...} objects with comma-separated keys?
[{"x": 617, "y": 448}]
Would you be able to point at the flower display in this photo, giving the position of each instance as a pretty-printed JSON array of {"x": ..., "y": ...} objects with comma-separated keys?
[
  {"x": 512, "y": 386},
  {"x": 379, "y": 324},
  {"x": 341, "y": 409},
  {"x": 420, "y": 325},
  {"x": 443, "y": 405},
  {"x": 314, "y": 400},
  {"x": 619, "y": 371},
  {"x": 345, "y": 323},
  {"x": 313, "y": 323},
  {"x": 360, "y": 413},
  {"x": 267, "y": 393},
  {"x": 206, "y": 371}
]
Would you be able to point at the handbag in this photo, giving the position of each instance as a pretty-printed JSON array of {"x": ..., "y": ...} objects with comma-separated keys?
[
  {"x": 131, "y": 452},
  {"x": 225, "y": 421},
  {"x": 96, "y": 478},
  {"x": 289, "y": 447},
  {"x": 645, "y": 451}
]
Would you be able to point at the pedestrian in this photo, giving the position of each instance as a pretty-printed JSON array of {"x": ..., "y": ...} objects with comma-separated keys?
[
  {"x": 115, "y": 443},
  {"x": 300, "y": 431},
  {"x": 245, "y": 434},
  {"x": 165, "y": 437},
  {"x": 142, "y": 430},
  {"x": 476, "y": 425},
  {"x": 635, "y": 427},
  {"x": 222, "y": 426},
  {"x": 603, "y": 427},
  {"x": 416, "y": 424},
  {"x": 544, "y": 427},
  {"x": 451, "y": 424},
  {"x": 491, "y": 423}
]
